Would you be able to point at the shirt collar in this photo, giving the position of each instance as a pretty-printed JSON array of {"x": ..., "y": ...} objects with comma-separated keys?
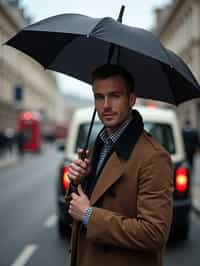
[{"x": 107, "y": 139}]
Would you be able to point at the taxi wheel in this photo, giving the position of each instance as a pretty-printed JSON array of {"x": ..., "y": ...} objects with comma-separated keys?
[{"x": 182, "y": 233}]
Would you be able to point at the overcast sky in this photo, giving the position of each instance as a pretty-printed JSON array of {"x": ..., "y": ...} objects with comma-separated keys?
[{"x": 138, "y": 13}]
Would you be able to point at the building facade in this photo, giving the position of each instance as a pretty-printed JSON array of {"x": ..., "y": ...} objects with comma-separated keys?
[
  {"x": 24, "y": 85},
  {"x": 178, "y": 29}
]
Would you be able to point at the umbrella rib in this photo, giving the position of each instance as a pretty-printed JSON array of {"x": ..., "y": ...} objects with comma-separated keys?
[
  {"x": 171, "y": 64},
  {"x": 169, "y": 80},
  {"x": 78, "y": 35},
  {"x": 59, "y": 51},
  {"x": 94, "y": 28}
]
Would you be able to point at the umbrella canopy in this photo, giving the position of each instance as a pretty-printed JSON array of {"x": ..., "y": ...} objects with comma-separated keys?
[{"x": 75, "y": 45}]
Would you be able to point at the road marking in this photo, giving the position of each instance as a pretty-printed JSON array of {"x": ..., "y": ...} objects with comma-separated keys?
[
  {"x": 25, "y": 255},
  {"x": 51, "y": 221}
]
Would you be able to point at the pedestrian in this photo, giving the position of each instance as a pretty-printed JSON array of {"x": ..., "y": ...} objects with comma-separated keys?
[
  {"x": 191, "y": 141},
  {"x": 21, "y": 140},
  {"x": 2, "y": 143},
  {"x": 10, "y": 135},
  {"x": 122, "y": 209}
]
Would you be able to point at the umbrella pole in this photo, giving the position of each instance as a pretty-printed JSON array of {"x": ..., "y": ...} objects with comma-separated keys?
[
  {"x": 83, "y": 155},
  {"x": 113, "y": 46}
]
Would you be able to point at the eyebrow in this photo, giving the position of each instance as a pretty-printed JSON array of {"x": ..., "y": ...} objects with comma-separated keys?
[{"x": 109, "y": 93}]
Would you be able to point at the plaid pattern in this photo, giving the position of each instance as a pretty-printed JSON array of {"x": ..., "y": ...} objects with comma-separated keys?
[{"x": 109, "y": 142}]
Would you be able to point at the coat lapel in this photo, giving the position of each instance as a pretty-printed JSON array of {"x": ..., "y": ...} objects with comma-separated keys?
[{"x": 109, "y": 175}]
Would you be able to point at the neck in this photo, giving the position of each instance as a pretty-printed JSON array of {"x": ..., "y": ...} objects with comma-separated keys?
[{"x": 114, "y": 129}]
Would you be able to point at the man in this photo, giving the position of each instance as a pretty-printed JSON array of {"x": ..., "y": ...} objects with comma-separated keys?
[
  {"x": 191, "y": 141},
  {"x": 123, "y": 209}
]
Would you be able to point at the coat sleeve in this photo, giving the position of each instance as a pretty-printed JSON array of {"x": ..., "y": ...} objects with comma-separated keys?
[{"x": 149, "y": 230}]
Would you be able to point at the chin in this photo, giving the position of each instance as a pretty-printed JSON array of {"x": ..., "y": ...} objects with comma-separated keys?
[{"x": 111, "y": 124}]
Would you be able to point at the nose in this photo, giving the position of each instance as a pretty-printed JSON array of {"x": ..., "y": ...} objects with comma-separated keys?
[{"x": 106, "y": 102}]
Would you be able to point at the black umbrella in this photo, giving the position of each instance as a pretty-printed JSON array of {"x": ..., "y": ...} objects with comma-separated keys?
[{"x": 76, "y": 44}]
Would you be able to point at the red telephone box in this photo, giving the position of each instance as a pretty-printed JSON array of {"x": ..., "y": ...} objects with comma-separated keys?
[{"x": 29, "y": 124}]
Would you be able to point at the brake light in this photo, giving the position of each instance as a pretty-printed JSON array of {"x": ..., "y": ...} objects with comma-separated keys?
[
  {"x": 65, "y": 178},
  {"x": 182, "y": 179}
]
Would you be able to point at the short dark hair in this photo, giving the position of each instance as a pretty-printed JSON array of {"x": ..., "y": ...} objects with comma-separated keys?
[{"x": 109, "y": 70}]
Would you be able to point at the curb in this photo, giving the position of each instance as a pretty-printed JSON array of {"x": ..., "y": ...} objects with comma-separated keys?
[
  {"x": 196, "y": 210},
  {"x": 8, "y": 162}
]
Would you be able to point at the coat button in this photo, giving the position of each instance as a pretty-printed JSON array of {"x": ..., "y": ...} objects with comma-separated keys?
[
  {"x": 105, "y": 249},
  {"x": 112, "y": 193},
  {"x": 99, "y": 203}
]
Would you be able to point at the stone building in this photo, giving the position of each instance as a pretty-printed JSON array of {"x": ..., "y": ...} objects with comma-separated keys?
[
  {"x": 24, "y": 85},
  {"x": 178, "y": 29}
]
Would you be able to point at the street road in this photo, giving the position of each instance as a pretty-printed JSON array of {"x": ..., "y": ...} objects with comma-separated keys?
[
  {"x": 28, "y": 233},
  {"x": 28, "y": 212}
]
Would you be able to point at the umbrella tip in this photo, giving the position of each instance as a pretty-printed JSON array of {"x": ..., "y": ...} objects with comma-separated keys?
[{"x": 121, "y": 13}]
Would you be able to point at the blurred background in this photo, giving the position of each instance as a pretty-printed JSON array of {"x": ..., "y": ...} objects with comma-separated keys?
[{"x": 36, "y": 108}]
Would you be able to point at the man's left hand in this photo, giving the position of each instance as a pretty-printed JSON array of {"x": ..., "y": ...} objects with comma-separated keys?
[{"x": 78, "y": 204}]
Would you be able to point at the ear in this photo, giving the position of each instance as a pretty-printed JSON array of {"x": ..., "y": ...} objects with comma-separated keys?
[{"x": 132, "y": 99}]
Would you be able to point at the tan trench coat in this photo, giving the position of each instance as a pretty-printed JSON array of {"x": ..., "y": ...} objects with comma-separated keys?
[{"x": 131, "y": 224}]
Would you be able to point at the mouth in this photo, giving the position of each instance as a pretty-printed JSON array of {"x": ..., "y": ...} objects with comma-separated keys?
[{"x": 108, "y": 116}]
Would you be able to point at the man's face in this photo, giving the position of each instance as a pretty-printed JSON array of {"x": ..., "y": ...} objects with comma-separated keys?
[{"x": 113, "y": 102}]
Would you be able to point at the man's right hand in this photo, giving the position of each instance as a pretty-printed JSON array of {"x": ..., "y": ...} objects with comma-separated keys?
[{"x": 79, "y": 168}]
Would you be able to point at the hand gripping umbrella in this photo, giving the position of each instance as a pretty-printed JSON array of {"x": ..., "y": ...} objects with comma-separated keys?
[{"x": 75, "y": 45}]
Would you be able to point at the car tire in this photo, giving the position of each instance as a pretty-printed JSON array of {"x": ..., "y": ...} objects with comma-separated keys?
[
  {"x": 184, "y": 232},
  {"x": 181, "y": 233},
  {"x": 64, "y": 231}
]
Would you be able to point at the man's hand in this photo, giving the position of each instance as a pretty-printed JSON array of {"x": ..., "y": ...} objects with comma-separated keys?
[
  {"x": 79, "y": 168},
  {"x": 78, "y": 204}
]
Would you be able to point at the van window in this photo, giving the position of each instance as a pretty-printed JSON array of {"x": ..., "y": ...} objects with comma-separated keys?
[
  {"x": 82, "y": 134},
  {"x": 162, "y": 132}
]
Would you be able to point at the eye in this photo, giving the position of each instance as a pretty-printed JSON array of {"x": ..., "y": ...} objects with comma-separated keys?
[
  {"x": 98, "y": 97},
  {"x": 115, "y": 96}
]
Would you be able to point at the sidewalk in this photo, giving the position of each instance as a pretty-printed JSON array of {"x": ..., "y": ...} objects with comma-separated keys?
[
  {"x": 196, "y": 199},
  {"x": 8, "y": 159},
  {"x": 196, "y": 186}
]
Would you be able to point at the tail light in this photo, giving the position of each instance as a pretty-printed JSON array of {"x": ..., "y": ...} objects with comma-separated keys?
[
  {"x": 65, "y": 178},
  {"x": 182, "y": 179}
]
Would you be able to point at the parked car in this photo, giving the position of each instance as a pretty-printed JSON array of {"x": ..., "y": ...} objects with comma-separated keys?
[{"x": 161, "y": 124}]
